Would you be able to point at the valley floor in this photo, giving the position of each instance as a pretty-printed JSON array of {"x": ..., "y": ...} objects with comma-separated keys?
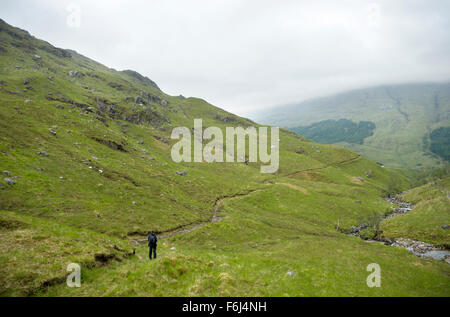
[{"x": 254, "y": 251}]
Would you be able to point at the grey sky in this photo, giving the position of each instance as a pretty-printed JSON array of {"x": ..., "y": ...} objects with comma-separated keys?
[{"x": 245, "y": 55}]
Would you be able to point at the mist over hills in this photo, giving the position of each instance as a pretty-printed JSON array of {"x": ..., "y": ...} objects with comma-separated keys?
[{"x": 404, "y": 116}]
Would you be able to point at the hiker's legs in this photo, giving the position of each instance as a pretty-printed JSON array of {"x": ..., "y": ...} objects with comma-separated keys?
[{"x": 150, "y": 251}]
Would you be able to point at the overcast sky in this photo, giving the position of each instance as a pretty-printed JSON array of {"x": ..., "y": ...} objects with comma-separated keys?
[{"x": 244, "y": 55}]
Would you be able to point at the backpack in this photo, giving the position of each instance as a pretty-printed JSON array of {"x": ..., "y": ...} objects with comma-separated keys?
[{"x": 151, "y": 239}]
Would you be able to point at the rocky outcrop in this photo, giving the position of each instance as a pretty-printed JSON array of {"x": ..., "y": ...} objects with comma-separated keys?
[
  {"x": 142, "y": 79},
  {"x": 75, "y": 74},
  {"x": 111, "y": 144}
]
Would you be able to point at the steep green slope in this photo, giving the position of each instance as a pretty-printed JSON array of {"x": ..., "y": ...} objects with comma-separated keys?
[
  {"x": 85, "y": 153},
  {"x": 404, "y": 115},
  {"x": 429, "y": 219}
]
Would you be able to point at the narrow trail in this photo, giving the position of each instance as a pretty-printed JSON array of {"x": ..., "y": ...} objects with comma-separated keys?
[
  {"x": 194, "y": 226},
  {"x": 418, "y": 248},
  {"x": 183, "y": 229}
]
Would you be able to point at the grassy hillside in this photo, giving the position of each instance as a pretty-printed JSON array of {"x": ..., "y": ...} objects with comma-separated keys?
[
  {"x": 429, "y": 218},
  {"x": 406, "y": 118},
  {"x": 87, "y": 173}
]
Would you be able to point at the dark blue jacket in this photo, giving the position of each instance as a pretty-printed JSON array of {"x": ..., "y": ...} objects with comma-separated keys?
[{"x": 150, "y": 236}]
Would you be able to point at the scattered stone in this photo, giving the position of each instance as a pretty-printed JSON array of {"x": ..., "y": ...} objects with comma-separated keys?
[
  {"x": 445, "y": 227},
  {"x": 37, "y": 56},
  {"x": 60, "y": 106},
  {"x": 163, "y": 103},
  {"x": 358, "y": 201},
  {"x": 161, "y": 139},
  {"x": 74, "y": 73},
  {"x": 10, "y": 181},
  {"x": 172, "y": 248},
  {"x": 290, "y": 273},
  {"x": 27, "y": 81},
  {"x": 52, "y": 132},
  {"x": 183, "y": 173},
  {"x": 133, "y": 202},
  {"x": 360, "y": 178},
  {"x": 7, "y": 173},
  {"x": 141, "y": 142},
  {"x": 42, "y": 154},
  {"x": 369, "y": 174}
]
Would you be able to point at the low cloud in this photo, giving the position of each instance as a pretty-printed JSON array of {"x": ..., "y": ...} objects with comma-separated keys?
[{"x": 249, "y": 55}]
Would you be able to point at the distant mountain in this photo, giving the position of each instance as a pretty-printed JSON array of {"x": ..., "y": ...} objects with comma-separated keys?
[{"x": 405, "y": 119}]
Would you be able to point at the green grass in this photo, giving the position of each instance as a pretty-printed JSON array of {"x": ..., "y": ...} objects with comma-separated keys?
[
  {"x": 425, "y": 221},
  {"x": 36, "y": 252},
  {"x": 250, "y": 252},
  {"x": 62, "y": 209}
]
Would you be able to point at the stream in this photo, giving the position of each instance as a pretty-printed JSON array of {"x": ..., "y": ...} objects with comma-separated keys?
[{"x": 418, "y": 248}]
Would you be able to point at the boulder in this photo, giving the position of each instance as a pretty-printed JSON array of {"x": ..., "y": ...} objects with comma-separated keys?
[
  {"x": 183, "y": 173},
  {"x": 10, "y": 181},
  {"x": 140, "y": 101},
  {"x": 27, "y": 81},
  {"x": 75, "y": 74}
]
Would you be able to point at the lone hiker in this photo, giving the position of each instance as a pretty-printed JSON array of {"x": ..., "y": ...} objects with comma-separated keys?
[{"x": 152, "y": 241}]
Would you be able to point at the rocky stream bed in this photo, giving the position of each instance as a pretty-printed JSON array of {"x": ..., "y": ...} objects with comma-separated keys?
[{"x": 418, "y": 248}]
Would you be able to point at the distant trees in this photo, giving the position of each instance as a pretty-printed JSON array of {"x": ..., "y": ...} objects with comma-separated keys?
[
  {"x": 334, "y": 131},
  {"x": 440, "y": 142}
]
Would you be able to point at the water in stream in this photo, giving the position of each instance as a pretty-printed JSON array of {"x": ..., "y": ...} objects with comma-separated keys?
[{"x": 418, "y": 248}]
